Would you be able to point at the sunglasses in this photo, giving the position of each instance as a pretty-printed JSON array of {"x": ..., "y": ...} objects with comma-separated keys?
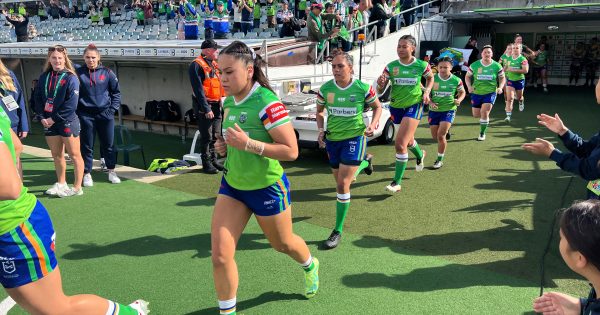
[{"x": 57, "y": 48}]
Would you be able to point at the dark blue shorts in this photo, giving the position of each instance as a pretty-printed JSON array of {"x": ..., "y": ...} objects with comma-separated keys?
[
  {"x": 27, "y": 252},
  {"x": 517, "y": 85},
  {"x": 263, "y": 202},
  {"x": 478, "y": 100},
  {"x": 64, "y": 129},
  {"x": 348, "y": 152},
  {"x": 435, "y": 118},
  {"x": 413, "y": 111}
]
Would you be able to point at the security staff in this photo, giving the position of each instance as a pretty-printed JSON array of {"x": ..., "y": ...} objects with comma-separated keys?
[{"x": 206, "y": 99}]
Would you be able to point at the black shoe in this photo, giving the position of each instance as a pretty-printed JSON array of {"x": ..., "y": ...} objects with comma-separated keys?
[
  {"x": 333, "y": 240},
  {"x": 448, "y": 135},
  {"x": 207, "y": 166},
  {"x": 369, "y": 169},
  {"x": 215, "y": 162}
]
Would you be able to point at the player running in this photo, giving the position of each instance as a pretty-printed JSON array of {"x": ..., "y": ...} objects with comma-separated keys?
[
  {"x": 482, "y": 82},
  {"x": 516, "y": 67},
  {"x": 406, "y": 106},
  {"x": 447, "y": 93},
  {"x": 258, "y": 134},
  {"x": 346, "y": 138}
]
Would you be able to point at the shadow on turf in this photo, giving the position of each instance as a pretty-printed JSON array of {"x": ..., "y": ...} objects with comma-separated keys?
[
  {"x": 266, "y": 297},
  {"x": 158, "y": 245}
]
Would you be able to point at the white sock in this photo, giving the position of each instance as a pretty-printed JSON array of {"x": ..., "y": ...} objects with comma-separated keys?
[
  {"x": 307, "y": 263},
  {"x": 228, "y": 306}
]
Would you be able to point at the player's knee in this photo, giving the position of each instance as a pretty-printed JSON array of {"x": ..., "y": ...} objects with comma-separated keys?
[
  {"x": 220, "y": 257},
  {"x": 441, "y": 138}
]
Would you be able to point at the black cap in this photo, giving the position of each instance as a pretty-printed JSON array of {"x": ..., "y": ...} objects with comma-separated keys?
[{"x": 209, "y": 43}]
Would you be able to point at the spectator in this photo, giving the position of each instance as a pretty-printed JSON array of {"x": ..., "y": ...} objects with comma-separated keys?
[
  {"x": 155, "y": 7},
  {"x": 55, "y": 11},
  {"x": 379, "y": 14},
  {"x": 409, "y": 17},
  {"x": 395, "y": 20},
  {"x": 256, "y": 13},
  {"x": 20, "y": 23},
  {"x": 94, "y": 15},
  {"x": 355, "y": 21},
  {"x": 301, "y": 9},
  {"x": 316, "y": 30},
  {"x": 237, "y": 18},
  {"x": 148, "y": 14},
  {"x": 106, "y": 14},
  {"x": 139, "y": 13},
  {"x": 21, "y": 10},
  {"x": 41, "y": 11},
  {"x": 289, "y": 24},
  {"x": 339, "y": 7},
  {"x": 271, "y": 9},
  {"x": 577, "y": 56},
  {"x": 592, "y": 60},
  {"x": 247, "y": 7},
  {"x": 220, "y": 21},
  {"x": 472, "y": 44},
  {"x": 187, "y": 11},
  {"x": 13, "y": 101},
  {"x": 584, "y": 159}
]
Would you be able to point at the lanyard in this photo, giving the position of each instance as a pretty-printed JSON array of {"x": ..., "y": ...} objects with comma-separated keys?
[{"x": 56, "y": 86}]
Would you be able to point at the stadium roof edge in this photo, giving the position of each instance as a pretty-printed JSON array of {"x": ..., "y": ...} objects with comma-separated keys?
[{"x": 550, "y": 13}]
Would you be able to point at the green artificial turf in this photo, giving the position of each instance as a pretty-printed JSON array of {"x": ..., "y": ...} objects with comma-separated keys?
[{"x": 465, "y": 239}]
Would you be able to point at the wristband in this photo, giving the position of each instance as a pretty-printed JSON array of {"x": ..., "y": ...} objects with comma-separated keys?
[
  {"x": 321, "y": 130},
  {"x": 255, "y": 146}
]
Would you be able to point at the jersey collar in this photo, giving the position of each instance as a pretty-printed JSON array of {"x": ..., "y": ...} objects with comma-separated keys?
[
  {"x": 254, "y": 88},
  {"x": 343, "y": 89},
  {"x": 414, "y": 59}
]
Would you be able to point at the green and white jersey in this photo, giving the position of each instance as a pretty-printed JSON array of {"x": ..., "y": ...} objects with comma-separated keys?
[
  {"x": 444, "y": 91},
  {"x": 541, "y": 59},
  {"x": 257, "y": 114},
  {"x": 13, "y": 212},
  {"x": 515, "y": 64},
  {"x": 406, "y": 82},
  {"x": 504, "y": 59},
  {"x": 485, "y": 77},
  {"x": 345, "y": 107}
]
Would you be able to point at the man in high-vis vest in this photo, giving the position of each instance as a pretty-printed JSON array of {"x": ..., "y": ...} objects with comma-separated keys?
[{"x": 206, "y": 100}]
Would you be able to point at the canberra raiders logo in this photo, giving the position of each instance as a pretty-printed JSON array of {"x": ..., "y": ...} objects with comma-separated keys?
[
  {"x": 9, "y": 266},
  {"x": 352, "y": 98},
  {"x": 243, "y": 117}
]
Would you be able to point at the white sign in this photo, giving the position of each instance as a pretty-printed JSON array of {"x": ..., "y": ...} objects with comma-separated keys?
[
  {"x": 130, "y": 52},
  {"x": 5, "y": 51},
  {"x": 147, "y": 52},
  {"x": 182, "y": 52},
  {"x": 165, "y": 52}
]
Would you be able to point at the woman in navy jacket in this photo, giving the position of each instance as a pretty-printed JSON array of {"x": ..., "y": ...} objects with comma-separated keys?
[
  {"x": 584, "y": 159},
  {"x": 13, "y": 101},
  {"x": 99, "y": 99},
  {"x": 56, "y": 97}
]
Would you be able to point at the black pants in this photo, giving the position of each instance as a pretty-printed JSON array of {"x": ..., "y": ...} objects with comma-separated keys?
[
  {"x": 105, "y": 127},
  {"x": 209, "y": 129}
]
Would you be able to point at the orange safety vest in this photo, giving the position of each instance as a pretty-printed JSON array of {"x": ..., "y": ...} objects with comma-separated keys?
[{"x": 212, "y": 86}]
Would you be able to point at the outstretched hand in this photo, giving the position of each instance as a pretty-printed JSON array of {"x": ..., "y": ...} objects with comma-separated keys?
[
  {"x": 554, "y": 303},
  {"x": 553, "y": 123},
  {"x": 539, "y": 147}
]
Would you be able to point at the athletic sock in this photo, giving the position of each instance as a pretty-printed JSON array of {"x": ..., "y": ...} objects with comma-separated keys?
[
  {"x": 227, "y": 307},
  {"x": 364, "y": 164},
  {"x": 440, "y": 157},
  {"x": 483, "y": 124},
  {"x": 120, "y": 309},
  {"x": 401, "y": 161},
  {"x": 416, "y": 150},
  {"x": 509, "y": 114},
  {"x": 342, "y": 206},
  {"x": 307, "y": 264},
  {"x": 545, "y": 85}
]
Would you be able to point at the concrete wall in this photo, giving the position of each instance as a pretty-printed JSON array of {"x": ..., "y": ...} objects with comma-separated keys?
[{"x": 459, "y": 6}]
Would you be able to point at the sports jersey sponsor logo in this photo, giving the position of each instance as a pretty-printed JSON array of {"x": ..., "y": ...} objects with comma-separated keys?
[
  {"x": 232, "y": 118},
  {"x": 243, "y": 117},
  {"x": 436, "y": 86},
  {"x": 343, "y": 111},
  {"x": 405, "y": 81},
  {"x": 9, "y": 266},
  {"x": 395, "y": 71},
  {"x": 330, "y": 97},
  {"x": 272, "y": 114},
  {"x": 480, "y": 70},
  {"x": 443, "y": 94},
  {"x": 269, "y": 202},
  {"x": 76, "y": 92},
  {"x": 405, "y": 72},
  {"x": 102, "y": 77},
  {"x": 485, "y": 77}
]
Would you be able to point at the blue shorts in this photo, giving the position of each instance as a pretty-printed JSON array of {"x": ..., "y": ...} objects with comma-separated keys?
[
  {"x": 263, "y": 202},
  {"x": 64, "y": 129},
  {"x": 478, "y": 100},
  {"x": 517, "y": 85},
  {"x": 348, "y": 152},
  {"x": 413, "y": 111},
  {"x": 27, "y": 252},
  {"x": 435, "y": 118}
]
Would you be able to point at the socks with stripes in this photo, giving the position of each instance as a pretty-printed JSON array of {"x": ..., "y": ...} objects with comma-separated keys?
[
  {"x": 401, "y": 161},
  {"x": 120, "y": 309},
  {"x": 342, "y": 206},
  {"x": 440, "y": 156},
  {"x": 227, "y": 307},
  {"x": 483, "y": 125},
  {"x": 416, "y": 150},
  {"x": 308, "y": 265}
]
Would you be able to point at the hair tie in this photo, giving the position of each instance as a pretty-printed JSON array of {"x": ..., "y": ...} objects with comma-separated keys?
[{"x": 253, "y": 54}]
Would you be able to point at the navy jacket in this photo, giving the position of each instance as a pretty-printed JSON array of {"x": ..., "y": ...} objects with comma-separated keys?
[
  {"x": 65, "y": 103},
  {"x": 591, "y": 305},
  {"x": 98, "y": 92},
  {"x": 18, "y": 115},
  {"x": 584, "y": 159}
]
